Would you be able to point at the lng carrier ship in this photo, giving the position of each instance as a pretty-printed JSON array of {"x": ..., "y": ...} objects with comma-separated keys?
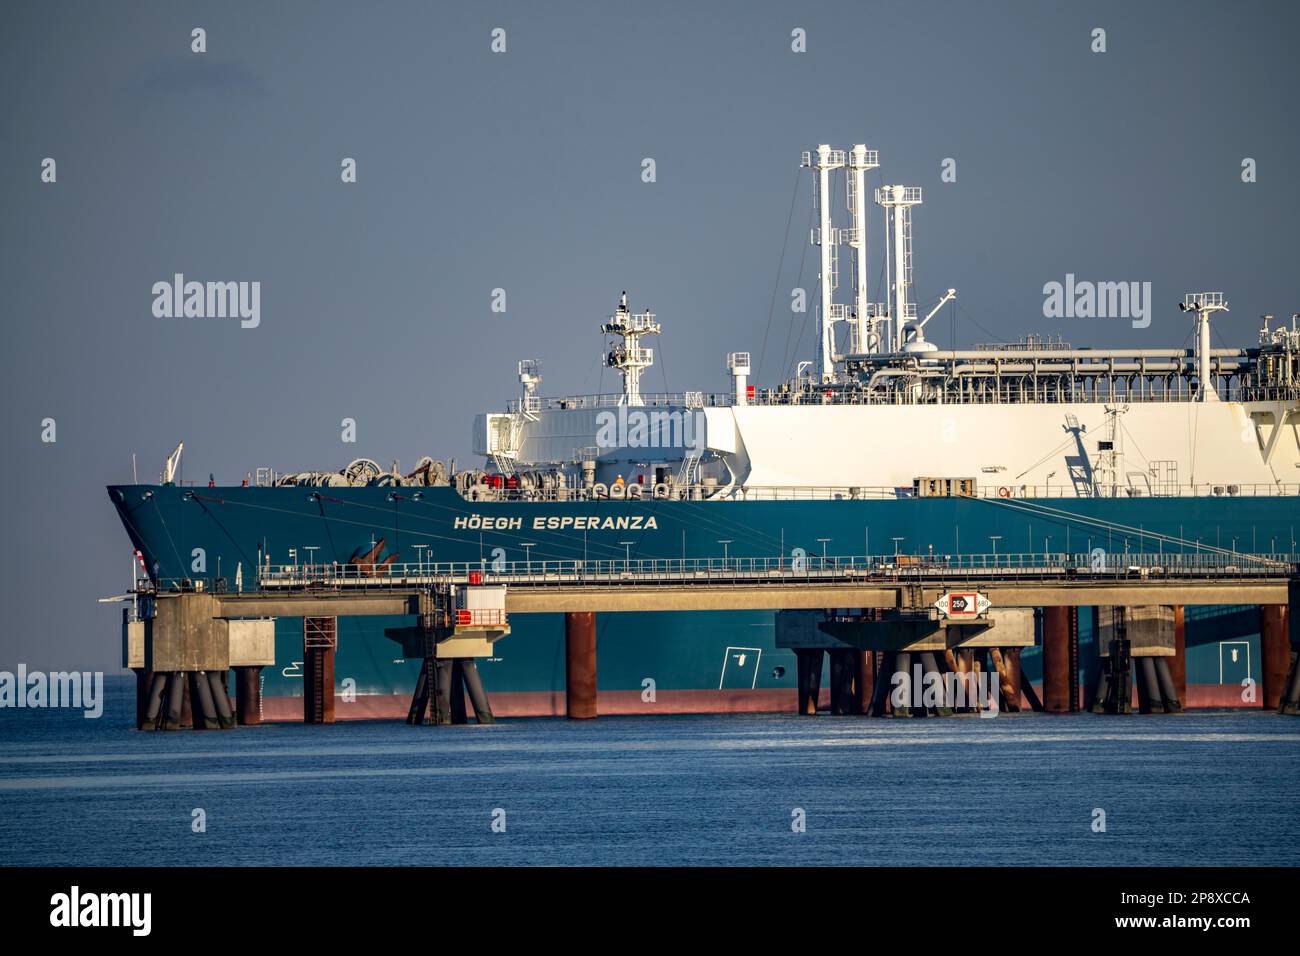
[{"x": 881, "y": 444}]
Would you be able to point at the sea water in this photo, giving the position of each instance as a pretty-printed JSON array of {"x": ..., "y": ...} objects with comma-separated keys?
[{"x": 1192, "y": 789}]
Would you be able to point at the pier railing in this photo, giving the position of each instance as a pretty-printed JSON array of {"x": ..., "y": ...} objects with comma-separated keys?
[{"x": 955, "y": 570}]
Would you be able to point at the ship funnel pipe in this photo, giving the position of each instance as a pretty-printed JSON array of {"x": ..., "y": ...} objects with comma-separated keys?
[
  {"x": 860, "y": 160},
  {"x": 900, "y": 268},
  {"x": 825, "y": 361}
]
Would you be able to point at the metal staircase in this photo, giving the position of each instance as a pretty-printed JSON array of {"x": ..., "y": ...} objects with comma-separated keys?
[{"x": 689, "y": 473}]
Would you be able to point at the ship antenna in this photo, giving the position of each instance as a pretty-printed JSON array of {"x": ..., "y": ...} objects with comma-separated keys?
[
  {"x": 628, "y": 356},
  {"x": 530, "y": 376},
  {"x": 1204, "y": 304}
]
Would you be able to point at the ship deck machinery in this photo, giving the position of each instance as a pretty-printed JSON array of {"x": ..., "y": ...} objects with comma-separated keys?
[{"x": 1103, "y": 423}]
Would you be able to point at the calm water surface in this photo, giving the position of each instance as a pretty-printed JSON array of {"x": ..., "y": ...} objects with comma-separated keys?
[{"x": 1205, "y": 789}]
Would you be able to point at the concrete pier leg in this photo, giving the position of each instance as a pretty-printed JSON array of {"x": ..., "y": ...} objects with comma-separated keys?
[
  {"x": 809, "y": 661},
  {"x": 931, "y": 665},
  {"x": 1027, "y": 688},
  {"x": 1291, "y": 701},
  {"x": 880, "y": 689},
  {"x": 839, "y": 707},
  {"x": 175, "y": 700},
  {"x": 844, "y": 667},
  {"x": 1012, "y": 658},
  {"x": 1291, "y": 696},
  {"x": 864, "y": 680},
  {"x": 440, "y": 701},
  {"x": 580, "y": 665},
  {"x": 202, "y": 710},
  {"x": 1275, "y": 654},
  {"x": 458, "y": 714},
  {"x": 187, "y": 700},
  {"x": 248, "y": 696},
  {"x": 835, "y": 675},
  {"x": 478, "y": 697},
  {"x": 420, "y": 699},
  {"x": 1169, "y": 693},
  {"x": 143, "y": 684},
  {"x": 319, "y": 641},
  {"x": 1006, "y": 681},
  {"x": 959, "y": 664},
  {"x": 154, "y": 706},
  {"x": 976, "y": 671},
  {"x": 963, "y": 696},
  {"x": 1075, "y": 693},
  {"x": 1121, "y": 679},
  {"x": 1101, "y": 695},
  {"x": 903, "y": 665},
  {"x": 219, "y": 682},
  {"x": 1056, "y": 660},
  {"x": 1150, "y": 700},
  {"x": 1177, "y": 665}
]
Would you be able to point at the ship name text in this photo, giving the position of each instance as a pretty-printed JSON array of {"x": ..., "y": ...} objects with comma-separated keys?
[{"x": 477, "y": 522}]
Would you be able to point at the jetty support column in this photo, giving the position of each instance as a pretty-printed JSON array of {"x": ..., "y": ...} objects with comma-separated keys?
[
  {"x": 1057, "y": 696},
  {"x": 252, "y": 647},
  {"x": 580, "y": 664},
  {"x": 143, "y": 684},
  {"x": 809, "y": 662},
  {"x": 456, "y": 625},
  {"x": 1275, "y": 654},
  {"x": 319, "y": 642},
  {"x": 478, "y": 697},
  {"x": 248, "y": 696},
  {"x": 179, "y": 642},
  {"x": 1177, "y": 664},
  {"x": 202, "y": 705},
  {"x": 864, "y": 683},
  {"x": 1291, "y": 698}
]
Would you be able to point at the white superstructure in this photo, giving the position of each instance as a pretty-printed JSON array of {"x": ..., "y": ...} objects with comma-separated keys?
[{"x": 884, "y": 412}]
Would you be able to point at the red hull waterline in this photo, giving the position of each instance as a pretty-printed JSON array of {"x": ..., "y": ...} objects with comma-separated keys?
[{"x": 628, "y": 702}]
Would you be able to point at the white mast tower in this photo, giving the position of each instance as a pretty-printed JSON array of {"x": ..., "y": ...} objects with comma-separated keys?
[
  {"x": 897, "y": 201},
  {"x": 826, "y": 237},
  {"x": 628, "y": 356},
  {"x": 1204, "y": 304}
]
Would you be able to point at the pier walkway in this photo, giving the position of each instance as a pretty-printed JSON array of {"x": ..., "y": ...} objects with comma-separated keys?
[{"x": 877, "y": 613}]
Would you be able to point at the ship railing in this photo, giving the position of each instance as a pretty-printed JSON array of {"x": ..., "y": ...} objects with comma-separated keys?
[
  {"x": 1095, "y": 564},
  {"x": 1157, "y": 488},
  {"x": 1006, "y": 389},
  {"x": 648, "y": 399}
]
